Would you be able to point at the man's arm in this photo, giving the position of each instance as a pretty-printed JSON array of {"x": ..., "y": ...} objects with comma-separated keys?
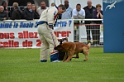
[
  {"x": 101, "y": 14},
  {"x": 74, "y": 14},
  {"x": 51, "y": 15},
  {"x": 82, "y": 15},
  {"x": 5, "y": 16},
  {"x": 25, "y": 14}
]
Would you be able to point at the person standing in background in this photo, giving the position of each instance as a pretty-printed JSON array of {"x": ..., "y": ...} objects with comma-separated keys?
[
  {"x": 78, "y": 13},
  {"x": 97, "y": 14},
  {"x": 89, "y": 15},
  {"x": 42, "y": 7},
  {"x": 3, "y": 14},
  {"x": 4, "y": 4},
  {"x": 68, "y": 13},
  {"x": 36, "y": 15},
  {"x": 20, "y": 2},
  {"x": 28, "y": 12},
  {"x": 16, "y": 13},
  {"x": 53, "y": 4}
]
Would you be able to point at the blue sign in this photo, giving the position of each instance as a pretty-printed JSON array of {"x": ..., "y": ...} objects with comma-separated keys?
[
  {"x": 63, "y": 23},
  {"x": 5, "y": 25},
  {"x": 113, "y": 26}
]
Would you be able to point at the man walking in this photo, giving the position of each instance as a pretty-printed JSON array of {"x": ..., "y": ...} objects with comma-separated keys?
[{"x": 47, "y": 36}]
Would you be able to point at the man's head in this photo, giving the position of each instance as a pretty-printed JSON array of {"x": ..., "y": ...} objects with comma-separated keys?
[
  {"x": 89, "y": 3},
  {"x": 34, "y": 8},
  {"x": 4, "y": 3},
  {"x": 78, "y": 7},
  {"x": 29, "y": 5},
  {"x": 61, "y": 9},
  {"x": 43, "y": 5},
  {"x": 1, "y": 8},
  {"x": 66, "y": 3},
  {"x": 15, "y": 5},
  {"x": 53, "y": 4}
]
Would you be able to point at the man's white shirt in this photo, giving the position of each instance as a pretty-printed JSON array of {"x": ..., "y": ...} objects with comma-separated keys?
[
  {"x": 78, "y": 14},
  {"x": 48, "y": 15},
  {"x": 39, "y": 10}
]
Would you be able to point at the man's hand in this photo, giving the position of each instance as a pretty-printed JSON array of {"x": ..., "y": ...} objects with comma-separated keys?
[
  {"x": 51, "y": 25},
  {"x": 4, "y": 18},
  {"x": 98, "y": 14}
]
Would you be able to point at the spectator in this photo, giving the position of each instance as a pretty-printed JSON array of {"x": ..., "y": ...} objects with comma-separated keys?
[
  {"x": 21, "y": 2},
  {"x": 36, "y": 15},
  {"x": 16, "y": 13},
  {"x": 42, "y": 7},
  {"x": 4, "y": 4},
  {"x": 28, "y": 12},
  {"x": 78, "y": 13},
  {"x": 89, "y": 15},
  {"x": 53, "y": 4},
  {"x": 97, "y": 14},
  {"x": 3, "y": 14},
  {"x": 68, "y": 13}
]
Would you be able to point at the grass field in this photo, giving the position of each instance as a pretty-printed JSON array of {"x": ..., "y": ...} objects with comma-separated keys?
[{"x": 22, "y": 65}]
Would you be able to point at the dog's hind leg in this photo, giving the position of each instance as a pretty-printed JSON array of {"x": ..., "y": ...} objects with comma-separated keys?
[
  {"x": 86, "y": 57},
  {"x": 85, "y": 52},
  {"x": 77, "y": 56}
]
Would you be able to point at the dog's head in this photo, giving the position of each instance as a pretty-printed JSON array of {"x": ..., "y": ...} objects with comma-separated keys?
[{"x": 59, "y": 47}]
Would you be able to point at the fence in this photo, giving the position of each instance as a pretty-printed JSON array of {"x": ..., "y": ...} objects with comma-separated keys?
[
  {"x": 23, "y": 34},
  {"x": 91, "y": 32}
]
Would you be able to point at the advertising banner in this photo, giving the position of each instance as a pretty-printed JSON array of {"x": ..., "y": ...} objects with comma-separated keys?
[{"x": 23, "y": 34}]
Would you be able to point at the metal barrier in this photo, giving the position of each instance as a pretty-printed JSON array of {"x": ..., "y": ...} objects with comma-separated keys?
[{"x": 86, "y": 33}]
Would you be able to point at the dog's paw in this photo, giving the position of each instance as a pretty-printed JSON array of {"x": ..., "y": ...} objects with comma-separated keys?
[
  {"x": 85, "y": 59},
  {"x": 75, "y": 57}
]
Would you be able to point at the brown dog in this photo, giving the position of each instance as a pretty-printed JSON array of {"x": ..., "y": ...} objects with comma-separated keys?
[{"x": 72, "y": 48}]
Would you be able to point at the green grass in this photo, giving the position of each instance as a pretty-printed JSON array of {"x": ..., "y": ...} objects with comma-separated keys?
[{"x": 22, "y": 65}]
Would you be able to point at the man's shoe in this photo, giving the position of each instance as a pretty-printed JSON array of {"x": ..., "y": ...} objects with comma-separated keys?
[{"x": 43, "y": 60}]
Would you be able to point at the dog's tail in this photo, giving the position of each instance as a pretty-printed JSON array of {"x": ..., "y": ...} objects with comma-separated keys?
[{"x": 89, "y": 44}]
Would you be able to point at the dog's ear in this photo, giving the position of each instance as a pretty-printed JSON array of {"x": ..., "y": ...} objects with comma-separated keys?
[{"x": 60, "y": 40}]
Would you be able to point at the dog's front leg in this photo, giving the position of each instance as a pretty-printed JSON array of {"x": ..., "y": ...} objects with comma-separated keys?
[
  {"x": 69, "y": 58},
  {"x": 69, "y": 54},
  {"x": 65, "y": 57}
]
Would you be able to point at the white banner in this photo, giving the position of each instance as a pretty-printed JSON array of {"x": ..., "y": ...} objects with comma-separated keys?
[{"x": 23, "y": 34}]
